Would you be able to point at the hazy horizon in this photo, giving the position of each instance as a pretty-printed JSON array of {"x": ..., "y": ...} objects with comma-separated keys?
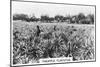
[{"x": 51, "y": 10}]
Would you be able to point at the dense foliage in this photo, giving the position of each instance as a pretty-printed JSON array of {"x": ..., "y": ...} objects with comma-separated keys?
[
  {"x": 53, "y": 41},
  {"x": 76, "y": 19}
]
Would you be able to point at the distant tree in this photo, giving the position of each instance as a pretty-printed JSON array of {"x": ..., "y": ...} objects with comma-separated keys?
[
  {"x": 59, "y": 18},
  {"x": 81, "y": 16},
  {"x": 75, "y": 19},
  {"x": 44, "y": 18},
  {"x": 91, "y": 18},
  {"x": 67, "y": 19},
  {"x": 22, "y": 17},
  {"x": 33, "y": 18},
  {"x": 85, "y": 21},
  {"x": 51, "y": 19}
]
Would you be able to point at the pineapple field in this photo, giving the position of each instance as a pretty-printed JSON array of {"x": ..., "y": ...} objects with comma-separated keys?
[{"x": 35, "y": 41}]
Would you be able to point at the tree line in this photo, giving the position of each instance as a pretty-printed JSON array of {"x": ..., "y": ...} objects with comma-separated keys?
[{"x": 75, "y": 19}]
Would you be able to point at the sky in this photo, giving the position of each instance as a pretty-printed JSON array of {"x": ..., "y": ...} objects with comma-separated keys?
[{"x": 51, "y": 10}]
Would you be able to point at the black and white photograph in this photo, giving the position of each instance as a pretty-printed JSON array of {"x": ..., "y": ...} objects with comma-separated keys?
[{"x": 51, "y": 33}]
